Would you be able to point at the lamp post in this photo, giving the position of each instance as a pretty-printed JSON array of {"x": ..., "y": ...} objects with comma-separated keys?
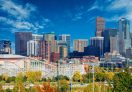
[
  {"x": 71, "y": 76},
  {"x": 93, "y": 76},
  {"x": 58, "y": 76}
]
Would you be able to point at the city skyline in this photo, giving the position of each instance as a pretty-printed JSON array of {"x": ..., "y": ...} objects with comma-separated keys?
[{"x": 70, "y": 16}]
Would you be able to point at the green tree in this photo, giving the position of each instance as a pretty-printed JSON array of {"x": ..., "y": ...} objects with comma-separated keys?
[
  {"x": 87, "y": 78},
  {"x": 64, "y": 85},
  {"x": 19, "y": 87},
  {"x": 19, "y": 78},
  {"x": 100, "y": 76},
  {"x": 122, "y": 82},
  {"x": 8, "y": 90}
]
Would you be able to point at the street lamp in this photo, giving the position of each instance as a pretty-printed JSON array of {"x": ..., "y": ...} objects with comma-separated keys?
[
  {"x": 71, "y": 76},
  {"x": 93, "y": 76},
  {"x": 58, "y": 76}
]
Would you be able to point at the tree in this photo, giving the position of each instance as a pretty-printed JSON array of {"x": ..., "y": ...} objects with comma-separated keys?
[
  {"x": 33, "y": 76},
  {"x": 1, "y": 89},
  {"x": 64, "y": 85},
  {"x": 60, "y": 77},
  {"x": 100, "y": 76},
  {"x": 109, "y": 76},
  {"x": 77, "y": 76},
  {"x": 8, "y": 90},
  {"x": 87, "y": 78},
  {"x": 5, "y": 77},
  {"x": 97, "y": 88},
  {"x": 46, "y": 87},
  {"x": 122, "y": 82},
  {"x": 19, "y": 87},
  {"x": 19, "y": 78}
]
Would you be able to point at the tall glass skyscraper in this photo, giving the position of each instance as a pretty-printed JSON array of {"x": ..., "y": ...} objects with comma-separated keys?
[
  {"x": 97, "y": 42},
  {"x": 109, "y": 35},
  {"x": 124, "y": 35}
]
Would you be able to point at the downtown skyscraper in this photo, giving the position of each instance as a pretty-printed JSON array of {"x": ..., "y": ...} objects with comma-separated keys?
[
  {"x": 124, "y": 35},
  {"x": 21, "y": 39},
  {"x": 80, "y": 44},
  {"x": 98, "y": 43},
  {"x": 100, "y": 26},
  {"x": 66, "y": 38}
]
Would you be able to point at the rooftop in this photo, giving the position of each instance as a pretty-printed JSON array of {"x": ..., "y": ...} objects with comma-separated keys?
[{"x": 11, "y": 56}]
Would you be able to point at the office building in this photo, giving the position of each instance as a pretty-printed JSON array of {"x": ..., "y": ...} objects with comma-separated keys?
[
  {"x": 44, "y": 50},
  {"x": 110, "y": 40},
  {"x": 49, "y": 36},
  {"x": 54, "y": 57},
  {"x": 114, "y": 44},
  {"x": 100, "y": 26},
  {"x": 98, "y": 43},
  {"x": 37, "y": 37},
  {"x": 124, "y": 35},
  {"x": 21, "y": 39},
  {"x": 129, "y": 53},
  {"x": 63, "y": 50},
  {"x": 79, "y": 44},
  {"x": 33, "y": 48},
  {"x": 66, "y": 38},
  {"x": 54, "y": 46},
  {"x": 5, "y": 47}
]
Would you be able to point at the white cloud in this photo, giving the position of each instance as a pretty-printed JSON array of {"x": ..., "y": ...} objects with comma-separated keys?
[
  {"x": 20, "y": 16},
  {"x": 125, "y": 5},
  {"x": 17, "y": 10},
  {"x": 94, "y": 6},
  {"x": 121, "y": 4}
]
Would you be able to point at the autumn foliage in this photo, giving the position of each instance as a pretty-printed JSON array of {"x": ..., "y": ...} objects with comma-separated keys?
[{"x": 46, "y": 87}]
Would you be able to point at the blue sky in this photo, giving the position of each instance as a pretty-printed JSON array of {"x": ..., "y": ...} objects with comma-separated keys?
[{"x": 75, "y": 17}]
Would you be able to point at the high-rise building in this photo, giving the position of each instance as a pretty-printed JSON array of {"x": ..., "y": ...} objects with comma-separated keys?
[
  {"x": 63, "y": 51},
  {"x": 129, "y": 53},
  {"x": 124, "y": 35},
  {"x": 5, "y": 47},
  {"x": 66, "y": 38},
  {"x": 114, "y": 44},
  {"x": 131, "y": 38},
  {"x": 21, "y": 39},
  {"x": 62, "y": 48},
  {"x": 37, "y": 37},
  {"x": 110, "y": 40},
  {"x": 97, "y": 42},
  {"x": 32, "y": 48},
  {"x": 79, "y": 44},
  {"x": 49, "y": 36},
  {"x": 100, "y": 26},
  {"x": 45, "y": 50}
]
